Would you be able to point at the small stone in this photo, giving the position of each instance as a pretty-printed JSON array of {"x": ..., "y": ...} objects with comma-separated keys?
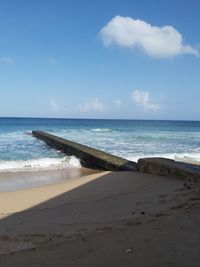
[
  {"x": 142, "y": 212},
  {"x": 129, "y": 250}
]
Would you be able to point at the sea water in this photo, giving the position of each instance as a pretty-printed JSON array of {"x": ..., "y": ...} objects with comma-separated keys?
[{"x": 130, "y": 139}]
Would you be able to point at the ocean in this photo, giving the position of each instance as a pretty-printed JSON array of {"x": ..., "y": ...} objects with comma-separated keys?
[{"x": 131, "y": 139}]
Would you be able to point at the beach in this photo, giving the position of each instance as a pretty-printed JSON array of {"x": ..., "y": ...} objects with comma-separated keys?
[
  {"x": 99, "y": 133},
  {"x": 55, "y": 212},
  {"x": 102, "y": 219}
]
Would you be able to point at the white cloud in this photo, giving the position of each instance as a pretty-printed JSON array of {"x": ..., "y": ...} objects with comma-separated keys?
[
  {"x": 52, "y": 61},
  {"x": 118, "y": 103},
  {"x": 158, "y": 42},
  {"x": 54, "y": 105},
  {"x": 143, "y": 100},
  {"x": 92, "y": 105},
  {"x": 7, "y": 61}
]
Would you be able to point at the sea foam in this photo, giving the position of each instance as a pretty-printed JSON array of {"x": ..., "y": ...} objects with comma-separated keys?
[
  {"x": 193, "y": 158},
  {"x": 40, "y": 164}
]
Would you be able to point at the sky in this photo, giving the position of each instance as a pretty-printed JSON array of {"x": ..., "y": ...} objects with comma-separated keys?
[{"x": 112, "y": 59}]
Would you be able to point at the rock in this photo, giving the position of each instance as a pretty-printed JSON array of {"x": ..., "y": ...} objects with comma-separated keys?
[
  {"x": 129, "y": 250},
  {"x": 169, "y": 168}
]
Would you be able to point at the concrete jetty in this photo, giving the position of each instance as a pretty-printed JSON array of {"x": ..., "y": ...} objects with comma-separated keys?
[
  {"x": 97, "y": 159},
  {"x": 89, "y": 157}
]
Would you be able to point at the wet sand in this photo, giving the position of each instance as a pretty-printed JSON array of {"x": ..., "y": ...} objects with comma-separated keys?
[
  {"x": 33, "y": 194},
  {"x": 102, "y": 219},
  {"x": 13, "y": 181}
]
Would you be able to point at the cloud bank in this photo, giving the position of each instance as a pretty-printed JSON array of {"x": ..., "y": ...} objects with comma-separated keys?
[
  {"x": 157, "y": 42},
  {"x": 93, "y": 105},
  {"x": 143, "y": 100}
]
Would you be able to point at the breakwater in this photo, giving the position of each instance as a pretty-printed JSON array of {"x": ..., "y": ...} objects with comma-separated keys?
[
  {"x": 96, "y": 159},
  {"x": 89, "y": 157}
]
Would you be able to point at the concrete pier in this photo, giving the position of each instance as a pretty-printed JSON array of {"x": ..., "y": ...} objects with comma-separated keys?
[
  {"x": 96, "y": 159},
  {"x": 89, "y": 157}
]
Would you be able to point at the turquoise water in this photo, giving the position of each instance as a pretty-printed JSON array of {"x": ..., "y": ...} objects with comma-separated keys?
[{"x": 130, "y": 139}]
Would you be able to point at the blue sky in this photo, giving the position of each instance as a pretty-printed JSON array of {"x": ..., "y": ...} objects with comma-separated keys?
[{"x": 100, "y": 59}]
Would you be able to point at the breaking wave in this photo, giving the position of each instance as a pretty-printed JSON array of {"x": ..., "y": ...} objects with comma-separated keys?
[
  {"x": 193, "y": 158},
  {"x": 40, "y": 164}
]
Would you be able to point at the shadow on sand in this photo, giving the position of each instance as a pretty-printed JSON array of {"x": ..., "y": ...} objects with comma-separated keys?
[{"x": 81, "y": 226}]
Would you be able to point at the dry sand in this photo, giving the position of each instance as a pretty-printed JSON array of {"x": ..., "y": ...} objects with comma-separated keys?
[{"x": 102, "y": 219}]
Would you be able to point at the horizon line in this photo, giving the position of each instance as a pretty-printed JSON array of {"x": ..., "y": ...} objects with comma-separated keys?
[{"x": 121, "y": 119}]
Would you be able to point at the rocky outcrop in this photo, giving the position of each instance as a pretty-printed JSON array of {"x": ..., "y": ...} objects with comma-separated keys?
[{"x": 169, "y": 168}]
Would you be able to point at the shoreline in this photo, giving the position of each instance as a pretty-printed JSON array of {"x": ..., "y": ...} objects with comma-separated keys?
[
  {"x": 19, "y": 200},
  {"x": 19, "y": 180}
]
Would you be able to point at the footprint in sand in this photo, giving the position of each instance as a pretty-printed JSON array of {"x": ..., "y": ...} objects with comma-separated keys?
[
  {"x": 105, "y": 228},
  {"x": 194, "y": 199},
  {"x": 82, "y": 229},
  {"x": 160, "y": 214},
  {"x": 131, "y": 223},
  {"x": 180, "y": 206},
  {"x": 162, "y": 196}
]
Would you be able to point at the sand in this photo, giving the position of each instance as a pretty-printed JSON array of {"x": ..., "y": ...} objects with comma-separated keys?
[
  {"x": 102, "y": 219},
  {"x": 15, "y": 201}
]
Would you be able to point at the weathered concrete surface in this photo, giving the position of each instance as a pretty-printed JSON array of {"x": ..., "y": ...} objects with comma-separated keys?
[
  {"x": 169, "y": 168},
  {"x": 89, "y": 157}
]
